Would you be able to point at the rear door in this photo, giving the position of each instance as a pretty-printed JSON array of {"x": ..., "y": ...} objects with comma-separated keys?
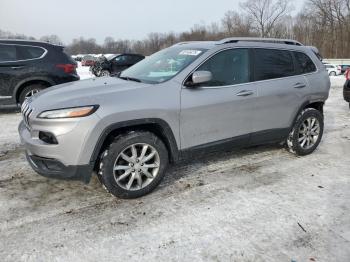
[
  {"x": 281, "y": 92},
  {"x": 8, "y": 69}
]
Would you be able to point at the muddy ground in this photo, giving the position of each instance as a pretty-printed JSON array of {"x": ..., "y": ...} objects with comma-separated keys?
[{"x": 258, "y": 204}]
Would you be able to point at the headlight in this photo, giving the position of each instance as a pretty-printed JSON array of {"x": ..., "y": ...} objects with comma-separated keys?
[{"x": 69, "y": 112}]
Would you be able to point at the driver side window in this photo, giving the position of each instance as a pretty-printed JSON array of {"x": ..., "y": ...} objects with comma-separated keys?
[{"x": 229, "y": 67}]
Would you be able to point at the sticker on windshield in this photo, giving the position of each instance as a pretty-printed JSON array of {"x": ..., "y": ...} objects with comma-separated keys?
[{"x": 190, "y": 52}]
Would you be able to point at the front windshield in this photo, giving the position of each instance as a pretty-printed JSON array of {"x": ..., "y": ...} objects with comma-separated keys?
[{"x": 162, "y": 65}]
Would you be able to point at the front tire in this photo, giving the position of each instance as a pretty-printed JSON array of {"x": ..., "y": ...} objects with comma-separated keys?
[
  {"x": 133, "y": 165},
  {"x": 306, "y": 133}
]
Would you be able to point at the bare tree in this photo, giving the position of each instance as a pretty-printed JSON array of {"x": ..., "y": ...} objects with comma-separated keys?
[
  {"x": 235, "y": 24},
  {"x": 322, "y": 23},
  {"x": 265, "y": 14},
  {"x": 52, "y": 39}
]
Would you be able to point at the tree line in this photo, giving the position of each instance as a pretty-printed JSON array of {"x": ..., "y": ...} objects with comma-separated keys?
[{"x": 321, "y": 23}]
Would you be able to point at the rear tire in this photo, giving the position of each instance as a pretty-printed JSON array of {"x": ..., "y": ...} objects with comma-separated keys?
[
  {"x": 28, "y": 91},
  {"x": 133, "y": 165},
  {"x": 306, "y": 133}
]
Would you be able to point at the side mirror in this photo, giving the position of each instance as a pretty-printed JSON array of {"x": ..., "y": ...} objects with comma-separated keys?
[{"x": 199, "y": 77}]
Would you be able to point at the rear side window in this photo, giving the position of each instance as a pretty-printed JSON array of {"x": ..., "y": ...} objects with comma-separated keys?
[
  {"x": 29, "y": 52},
  {"x": 228, "y": 67},
  {"x": 305, "y": 63},
  {"x": 8, "y": 53},
  {"x": 134, "y": 59},
  {"x": 270, "y": 64}
]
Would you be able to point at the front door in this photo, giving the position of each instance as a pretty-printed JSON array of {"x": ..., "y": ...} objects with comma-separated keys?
[{"x": 223, "y": 108}]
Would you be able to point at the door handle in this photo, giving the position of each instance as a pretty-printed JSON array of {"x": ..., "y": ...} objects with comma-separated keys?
[
  {"x": 245, "y": 93},
  {"x": 299, "y": 85}
]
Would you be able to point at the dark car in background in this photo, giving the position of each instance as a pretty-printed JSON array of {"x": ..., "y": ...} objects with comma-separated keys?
[
  {"x": 115, "y": 64},
  {"x": 343, "y": 68},
  {"x": 346, "y": 90},
  {"x": 26, "y": 67}
]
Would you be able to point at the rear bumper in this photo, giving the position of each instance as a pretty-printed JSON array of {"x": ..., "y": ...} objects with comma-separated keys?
[
  {"x": 54, "y": 169},
  {"x": 66, "y": 79},
  {"x": 346, "y": 91}
]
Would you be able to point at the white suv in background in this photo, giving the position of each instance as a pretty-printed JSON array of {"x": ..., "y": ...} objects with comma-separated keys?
[{"x": 333, "y": 70}]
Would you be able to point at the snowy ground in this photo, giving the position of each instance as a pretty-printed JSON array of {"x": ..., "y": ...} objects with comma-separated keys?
[
  {"x": 84, "y": 72},
  {"x": 259, "y": 204}
]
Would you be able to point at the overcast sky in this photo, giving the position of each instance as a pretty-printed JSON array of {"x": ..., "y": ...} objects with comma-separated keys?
[{"x": 121, "y": 19}]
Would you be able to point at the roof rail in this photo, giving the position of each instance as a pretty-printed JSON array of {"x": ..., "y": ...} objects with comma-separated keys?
[{"x": 258, "y": 39}]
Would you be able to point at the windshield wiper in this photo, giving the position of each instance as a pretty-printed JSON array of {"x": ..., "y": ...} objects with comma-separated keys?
[{"x": 127, "y": 78}]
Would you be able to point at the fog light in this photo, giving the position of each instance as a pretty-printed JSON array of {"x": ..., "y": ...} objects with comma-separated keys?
[{"x": 48, "y": 138}]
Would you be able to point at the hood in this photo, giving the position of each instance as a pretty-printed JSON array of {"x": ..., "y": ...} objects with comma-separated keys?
[{"x": 80, "y": 93}]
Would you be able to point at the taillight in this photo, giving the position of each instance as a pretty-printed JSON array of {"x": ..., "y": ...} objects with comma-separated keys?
[
  {"x": 67, "y": 68},
  {"x": 347, "y": 74}
]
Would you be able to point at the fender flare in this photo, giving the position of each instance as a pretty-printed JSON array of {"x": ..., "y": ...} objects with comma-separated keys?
[
  {"x": 165, "y": 129},
  {"x": 30, "y": 79},
  {"x": 303, "y": 105}
]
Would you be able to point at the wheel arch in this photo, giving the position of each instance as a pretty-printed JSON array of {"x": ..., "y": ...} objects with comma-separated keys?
[
  {"x": 157, "y": 126},
  {"x": 318, "y": 105},
  {"x": 30, "y": 81}
]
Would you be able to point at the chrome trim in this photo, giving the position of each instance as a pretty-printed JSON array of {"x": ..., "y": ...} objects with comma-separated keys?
[
  {"x": 5, "y": 97},
  {"x": 258, "y": 81},
  {"x": 26, "y": 110},
  {"x": 260, "y": 39},
  {"x": 42, "y": 56}
]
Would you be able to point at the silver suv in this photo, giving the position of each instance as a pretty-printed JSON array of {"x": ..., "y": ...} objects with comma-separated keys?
[{"x": 183, "y": 101}]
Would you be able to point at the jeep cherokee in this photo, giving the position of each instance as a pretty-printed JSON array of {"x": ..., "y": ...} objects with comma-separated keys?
[{"x": 185, "y": 100}]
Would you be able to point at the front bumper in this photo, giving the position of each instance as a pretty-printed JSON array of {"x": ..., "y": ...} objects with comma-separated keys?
[
  {"x": 346, "y": 91},
  {"x": 69, "y": 159},
  {"x": 54, "y": 169}
]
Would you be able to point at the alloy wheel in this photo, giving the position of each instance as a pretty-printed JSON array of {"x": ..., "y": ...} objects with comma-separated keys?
[
  {"x": 31, "y": 93},
  {"x": 309, "y": 132},
  {"x": 136, "y": 166}
]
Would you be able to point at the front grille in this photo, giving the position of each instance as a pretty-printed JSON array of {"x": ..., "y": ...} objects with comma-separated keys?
[{"x": 26, "y": 111}]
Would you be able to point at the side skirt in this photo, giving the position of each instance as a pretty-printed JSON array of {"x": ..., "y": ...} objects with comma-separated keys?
[{"x": 258, "y": 138}]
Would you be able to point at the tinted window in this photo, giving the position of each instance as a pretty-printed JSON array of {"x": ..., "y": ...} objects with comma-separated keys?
[
  {"x": 305, "y": 64},
  {"x": 29, "y": 52},
  {"x": 7, "y": 53},
  {"x": 121, "y": 59},
  {"x": 270, "y": 64},
  {"x": 229, "y": 67},
  {"x": 134, "y": 59}
]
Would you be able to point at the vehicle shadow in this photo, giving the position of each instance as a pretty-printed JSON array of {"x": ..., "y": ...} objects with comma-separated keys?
[
  {"x": 10, "y": 110},
  {"x": 39, "y": 194},
  {"x": 186, "y": 168}
]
